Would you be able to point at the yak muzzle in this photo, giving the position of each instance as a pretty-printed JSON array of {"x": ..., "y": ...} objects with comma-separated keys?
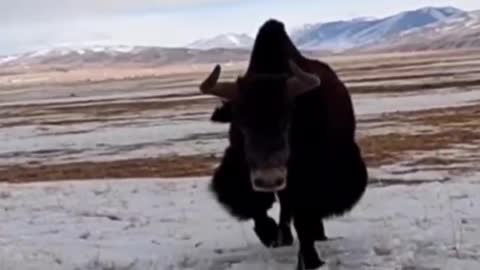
[{"x": 269, "y": 180}]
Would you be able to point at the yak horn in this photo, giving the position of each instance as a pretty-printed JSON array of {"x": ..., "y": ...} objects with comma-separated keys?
[
  {"x": 211, "y": 86},
  {"x": 302, "y": 81}
]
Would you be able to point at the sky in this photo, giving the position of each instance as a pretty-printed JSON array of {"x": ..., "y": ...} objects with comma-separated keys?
[{"x": 27, "y": 25}]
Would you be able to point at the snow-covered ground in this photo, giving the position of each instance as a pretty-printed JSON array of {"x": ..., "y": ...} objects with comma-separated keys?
[
  {"x": 121, "y": 141},
  {"x": 370, "y": 104},
  {"x": 169, "y": 131},
  {"x": 176, "y": 224}
]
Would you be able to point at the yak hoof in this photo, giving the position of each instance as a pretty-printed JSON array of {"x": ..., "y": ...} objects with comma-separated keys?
[
  {"x": 321, "y": 238},
  {"x": 309, "y": 262}
]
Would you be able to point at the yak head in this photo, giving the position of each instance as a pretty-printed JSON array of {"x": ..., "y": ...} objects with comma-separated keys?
[{"x": 262, "y": 107}]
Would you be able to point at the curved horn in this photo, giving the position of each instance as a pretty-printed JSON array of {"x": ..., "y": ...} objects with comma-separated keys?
[
  {"x": 302, "y": 81},
  {"x": 211, "y": 86}
]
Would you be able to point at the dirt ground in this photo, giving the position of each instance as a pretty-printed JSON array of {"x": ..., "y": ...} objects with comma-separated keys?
[{"x": 414, "y": 111}]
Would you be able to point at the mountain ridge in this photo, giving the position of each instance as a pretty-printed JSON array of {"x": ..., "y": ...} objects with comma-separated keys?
[
  {"x": 451, "y": 28},
  {"x": 348, "y": 34},
  {"x": 341, "y": 35},
  {"x": 227, "y": 41}
]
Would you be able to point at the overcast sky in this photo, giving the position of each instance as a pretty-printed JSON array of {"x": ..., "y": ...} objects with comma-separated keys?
[{"x": 35, "y": 24}]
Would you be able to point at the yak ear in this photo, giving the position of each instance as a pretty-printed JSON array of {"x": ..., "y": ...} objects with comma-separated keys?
[
  {"x": 211, "y": 86},
  {"x": 301, "y": 82}
]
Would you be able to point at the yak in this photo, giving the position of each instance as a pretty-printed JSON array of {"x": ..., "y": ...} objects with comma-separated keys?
[{"x": 292, "y": 138}]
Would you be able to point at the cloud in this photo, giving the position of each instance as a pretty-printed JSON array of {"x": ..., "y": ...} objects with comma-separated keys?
[
  {"x": 26, "y": 11},
  {"x": 36, "y": 24}
]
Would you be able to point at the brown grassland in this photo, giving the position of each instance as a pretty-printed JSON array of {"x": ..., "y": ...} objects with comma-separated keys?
[{"x": 82, "y": 97}]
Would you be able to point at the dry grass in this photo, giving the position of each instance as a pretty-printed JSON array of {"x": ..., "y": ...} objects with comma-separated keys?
[
  {"x": 393, "y": 147},
  {"x": 434, "y": 161},
  {"x": 100, "y": 112},
  {"x": 455, "y": 126},
  {"x": 466, "y": 116},
  {"x": 389, "y": 73},
  {"x": 391, "y": 88},
  {"x": 138, "y": 168},
  {"x": 377, "y": 150},
  {"x": 451, "y": 126}
]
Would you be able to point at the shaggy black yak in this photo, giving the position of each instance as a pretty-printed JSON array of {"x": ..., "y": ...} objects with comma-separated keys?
[{"x": 292, "y": 134}]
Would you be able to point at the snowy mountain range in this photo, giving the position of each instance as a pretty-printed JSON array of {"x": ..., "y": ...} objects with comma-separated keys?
[
  {"x": 127, "y": 56},
  {"x": 343, "y": 35},
  {"x": 421, "y": 29},
  {"x": 120, "y": 56},
  {"x": 456, "y": 32}
]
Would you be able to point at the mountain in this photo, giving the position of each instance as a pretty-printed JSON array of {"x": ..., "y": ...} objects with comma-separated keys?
[
  {"x": 422, "y": 29},
  {"x": 66, "y": 57},
  {"x": 457, "y": 32},
  {"x": 341, "y": 35},
  {"x": 229, "y": 41},
  {"x": 346, "y": 34},
  {"x": 88, "y": 56}
]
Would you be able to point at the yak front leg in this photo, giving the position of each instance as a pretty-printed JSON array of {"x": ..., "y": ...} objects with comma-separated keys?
[
  {"x": 308, "y": 258},
  {"x": 266, "y": 229}
]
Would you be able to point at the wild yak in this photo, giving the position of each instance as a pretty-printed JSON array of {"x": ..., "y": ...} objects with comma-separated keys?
[{"x": 291, "y": 135}]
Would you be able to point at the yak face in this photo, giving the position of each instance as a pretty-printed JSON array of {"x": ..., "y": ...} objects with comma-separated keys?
[
  {"x": 261, "y": 111},
  {"x": 262, "y": 114}
]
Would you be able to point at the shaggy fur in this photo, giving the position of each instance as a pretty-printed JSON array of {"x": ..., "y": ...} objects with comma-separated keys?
[{"x": 326, "y": 173}]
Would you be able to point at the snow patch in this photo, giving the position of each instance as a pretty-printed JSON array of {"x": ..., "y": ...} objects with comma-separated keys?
[
  {"x": 233, "y": 39},
  {"x": 7, "y": 59},
  {"x": 229, "y": 40},
  {"x": 177, "y": 224}
]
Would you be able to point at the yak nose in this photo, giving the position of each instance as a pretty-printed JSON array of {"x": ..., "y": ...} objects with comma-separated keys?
[
  {"x": 264, "y": 184},
  {"x": 269, "y": 180}
]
